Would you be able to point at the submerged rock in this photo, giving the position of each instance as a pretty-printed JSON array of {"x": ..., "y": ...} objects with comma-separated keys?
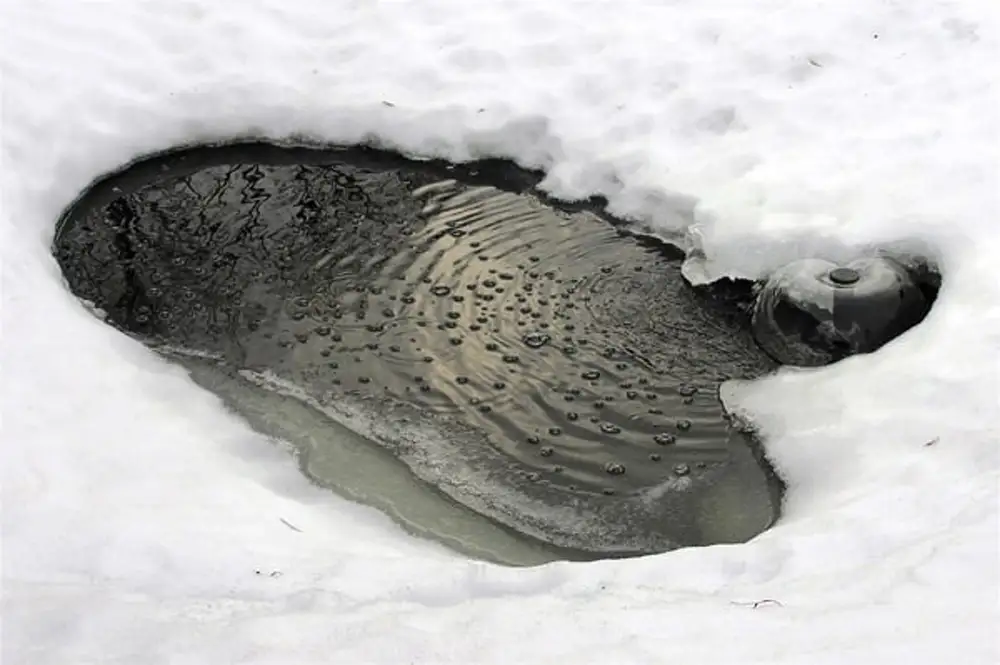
[{"x": 814, "y": 312}]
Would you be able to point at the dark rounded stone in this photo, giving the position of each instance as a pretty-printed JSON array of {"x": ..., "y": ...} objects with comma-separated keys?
[{"x": 813, "y": 312}]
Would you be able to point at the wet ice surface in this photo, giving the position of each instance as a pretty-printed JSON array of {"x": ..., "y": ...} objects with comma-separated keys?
[
  {"x": 338, "y": 458},
  {"x": 534, "y": 364}
]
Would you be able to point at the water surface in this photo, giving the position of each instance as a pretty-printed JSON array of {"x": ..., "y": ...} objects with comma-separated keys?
[{"x": 536, "y": 365}]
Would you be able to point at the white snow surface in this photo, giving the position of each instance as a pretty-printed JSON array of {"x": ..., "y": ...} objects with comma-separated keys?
[{"x": 144, "y": 524}]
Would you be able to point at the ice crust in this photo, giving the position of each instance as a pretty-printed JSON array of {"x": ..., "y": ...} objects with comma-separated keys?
[{"x": 142, "y": 523}]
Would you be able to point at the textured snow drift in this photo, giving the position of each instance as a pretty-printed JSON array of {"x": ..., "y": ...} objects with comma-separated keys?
[{"x": 141, "y": 523}]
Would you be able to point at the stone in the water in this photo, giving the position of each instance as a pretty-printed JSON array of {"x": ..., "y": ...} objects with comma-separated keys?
[
  {"x": 813, "y": 312},
  {"x": 331, "y": 276}
]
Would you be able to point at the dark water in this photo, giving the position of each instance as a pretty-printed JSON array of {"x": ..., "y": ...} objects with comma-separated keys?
[{"x": 536, "y": 365}]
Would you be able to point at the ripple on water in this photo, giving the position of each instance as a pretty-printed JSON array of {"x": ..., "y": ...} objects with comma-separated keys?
[{"x": 554, "y": 362}]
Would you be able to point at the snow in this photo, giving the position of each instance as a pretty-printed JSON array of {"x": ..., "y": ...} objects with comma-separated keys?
[{"x": 143, "y": 523}]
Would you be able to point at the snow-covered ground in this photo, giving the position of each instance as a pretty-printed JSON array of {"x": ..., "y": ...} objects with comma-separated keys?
[{"x": 143, "y": 524}]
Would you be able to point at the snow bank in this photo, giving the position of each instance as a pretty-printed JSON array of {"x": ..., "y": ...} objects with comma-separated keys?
[{"x": 141, "y": 523}]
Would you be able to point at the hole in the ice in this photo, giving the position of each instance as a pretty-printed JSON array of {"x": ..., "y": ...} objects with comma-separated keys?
[{"x": 539, "y": 383}]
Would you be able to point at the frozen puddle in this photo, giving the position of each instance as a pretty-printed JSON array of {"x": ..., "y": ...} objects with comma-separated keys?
[{"x": 532, "y": 365}]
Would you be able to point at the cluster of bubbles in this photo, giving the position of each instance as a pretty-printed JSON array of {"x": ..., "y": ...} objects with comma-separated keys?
[{"x": 487, "y": 329}]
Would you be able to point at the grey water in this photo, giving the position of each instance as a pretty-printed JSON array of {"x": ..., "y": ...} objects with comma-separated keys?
[{"x": 520, "y": 381}]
